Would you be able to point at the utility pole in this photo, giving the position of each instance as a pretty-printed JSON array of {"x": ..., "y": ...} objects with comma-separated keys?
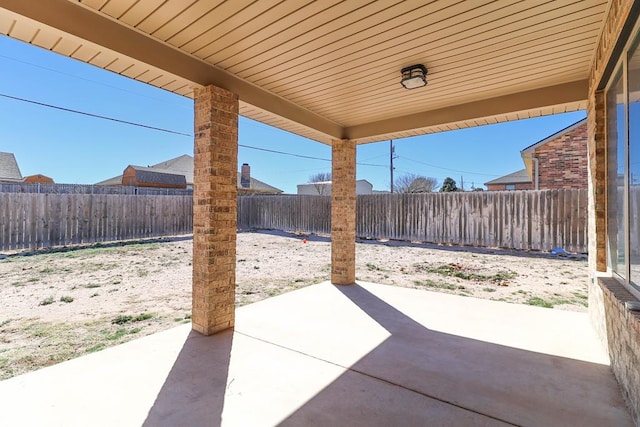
[{"x": 392, "y": 155}]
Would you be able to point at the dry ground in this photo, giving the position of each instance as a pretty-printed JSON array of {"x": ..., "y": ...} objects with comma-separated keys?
[{"x": 58, "y": 305}]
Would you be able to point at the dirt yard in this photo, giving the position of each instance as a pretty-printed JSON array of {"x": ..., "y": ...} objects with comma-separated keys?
[{"x": 59, "y": 305}]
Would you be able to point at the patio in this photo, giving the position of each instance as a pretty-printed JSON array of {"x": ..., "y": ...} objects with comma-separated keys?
[{"x": 332, "y": 355}]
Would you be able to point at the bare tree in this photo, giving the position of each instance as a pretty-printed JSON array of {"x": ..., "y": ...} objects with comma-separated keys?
[
  {"x": 318, "y": 179},
  {"x": 413, "y": 183}
]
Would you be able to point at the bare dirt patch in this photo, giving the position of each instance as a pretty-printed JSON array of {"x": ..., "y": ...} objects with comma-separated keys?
[{"x": 59, "y": 305}]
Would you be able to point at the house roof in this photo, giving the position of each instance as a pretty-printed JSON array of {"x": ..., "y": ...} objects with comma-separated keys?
[
  {"x": 258, "y": 186},
  {"x": 518, "y": 177},
  {"x": 9, "y": 170},
  {"x": 527, "y": 153},
  {"x": 329, "y": 182},
  {"x": 183, "y": 165},
  {"x": 331, "y": 70},
  {"x": 159, "y": 176}
]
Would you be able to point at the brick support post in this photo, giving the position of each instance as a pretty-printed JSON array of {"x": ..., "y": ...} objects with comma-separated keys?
[
  {"x": 343, "y": 212},
  {"x": 214, "y": 209}
]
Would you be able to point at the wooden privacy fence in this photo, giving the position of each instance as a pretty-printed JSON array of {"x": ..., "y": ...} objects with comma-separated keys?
[
  {"x": 32, "y": 220},
  {"x": 537, "y": 220}
]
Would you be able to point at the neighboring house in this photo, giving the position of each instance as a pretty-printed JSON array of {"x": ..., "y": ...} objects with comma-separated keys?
[
  {"x": 140, "y": 176},
  {"x": 9, "y": 170},
  {"x": 519, "y": 180},
  {"x": 38, "y": 179},
  {"x": 558, "y": 161},
  {"x": 183, "y": 166},
  {"x": 324, "y": 188}
]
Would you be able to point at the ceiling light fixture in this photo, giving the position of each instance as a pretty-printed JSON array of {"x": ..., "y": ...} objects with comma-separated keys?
[{"x": 414, "y": 76}]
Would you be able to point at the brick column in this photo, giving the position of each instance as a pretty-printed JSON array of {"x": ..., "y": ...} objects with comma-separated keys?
[
  {"x": 343, "y": 212},
  {"x": 214, "y": 209}
]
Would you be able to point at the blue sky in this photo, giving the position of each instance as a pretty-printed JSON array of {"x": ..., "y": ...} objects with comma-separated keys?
[{"x": 72, "y": 148}]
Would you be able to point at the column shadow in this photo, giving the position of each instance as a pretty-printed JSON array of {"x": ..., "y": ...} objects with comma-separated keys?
[
  {"x": 193, "y": 393},
  {"x": 477, "y": 382}
]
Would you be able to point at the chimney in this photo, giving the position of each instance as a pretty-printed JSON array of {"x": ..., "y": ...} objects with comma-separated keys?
[{"x": 245, "y": 176}]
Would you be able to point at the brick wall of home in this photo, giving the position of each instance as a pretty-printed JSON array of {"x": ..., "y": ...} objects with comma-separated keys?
[
  {"x": 563, "y": 162},
  {"x": 503, "y": 187},
  {"x": 618, "y": 328}
]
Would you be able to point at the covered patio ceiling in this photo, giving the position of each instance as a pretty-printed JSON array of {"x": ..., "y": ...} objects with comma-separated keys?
[{"x": 330, "y": 69}]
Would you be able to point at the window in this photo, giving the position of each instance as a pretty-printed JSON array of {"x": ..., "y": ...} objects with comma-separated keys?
[
  {"x": 510, "y": 187},
  {"x": 616, "y": 176},
  {"x": 633, "y": 85},
  {"x": 622, "y": 114}
]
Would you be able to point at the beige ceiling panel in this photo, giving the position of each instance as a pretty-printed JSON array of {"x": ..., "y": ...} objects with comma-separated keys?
[
  {"x": 94, "y": 4},
  {"x": 182, "y": 24},
  {"x": 185, "y": 90},
  {"x": 206, "y": 28},
  {"x": 364, "y": 41},
  {"x": 138, "y": 12},
  {"x": 442, "y": 85},
  {"x": 120, "y": 65},
  {"x": 347, "y": 70},
  {"x": 7, "y": 21},
  {"x": 104, "y": 58},
  {"x": 150, "y": 75},
  {"x": 175, "y": 85},
  {"x": 445, "y": 89},
  {"x": 24, "y": 30},
  {"x": 137, "y": 69},
  {"x": 290, "y": 32},
  {"x": 66, "y": 46},
  {"x": 244, "y": 23},
  {"x": 46, "y": 39},
  {"x": 116, "y": 8},
  {"x": 275, "y": 22},
  {"x": 163, "y": 80},
  {"x": 379, "y": 113},
  {"x": 85, "y": 53},
  {"x": 164, "y": 14},
  {"x": 436, "y": 54}
]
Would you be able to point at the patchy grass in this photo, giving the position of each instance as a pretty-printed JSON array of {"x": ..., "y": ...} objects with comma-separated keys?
[
  {"x": 47, "y": 301},
  {"x": 66, "y": 299},
  {"x": 435, "y": 285},
  {"x": 539, "y": 302},
  {"x": 91, "y": 285},
  {"x": 461, "y": 272},
  {"x": 372, "y": 267},
  {"x": 123, "y": 319}
]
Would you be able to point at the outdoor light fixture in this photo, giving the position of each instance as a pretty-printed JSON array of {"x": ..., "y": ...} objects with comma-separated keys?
[{"x": 414, "y": 76}]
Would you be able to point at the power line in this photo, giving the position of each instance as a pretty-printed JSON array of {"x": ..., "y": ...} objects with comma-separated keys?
[
  {"x": 70, "y": 110},
  {"x": 88, "y": 80},
  {"x": 302, "y": 155},
  {"x": 447, "y": 169}
]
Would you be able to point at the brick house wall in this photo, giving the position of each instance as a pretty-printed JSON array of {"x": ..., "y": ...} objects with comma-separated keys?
[
  {"x": 503, "y": 187},
  {"x": 563, "y": 162}
]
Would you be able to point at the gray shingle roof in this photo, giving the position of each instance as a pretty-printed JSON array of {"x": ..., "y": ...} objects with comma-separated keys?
[
  {"x": 159, "y": 176},
  {"x": 518, "y": 177},
  {"x": 9, "y": 170},
  {"x": 183, "y": 165}
]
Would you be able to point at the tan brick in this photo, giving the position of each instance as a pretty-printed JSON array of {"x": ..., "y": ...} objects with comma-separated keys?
[
  {"x": 214, "y": 209},
  {"x": 343, "y": 212}
]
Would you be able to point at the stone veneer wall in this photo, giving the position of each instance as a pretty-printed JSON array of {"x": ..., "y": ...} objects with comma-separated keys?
[
  {"x": 623, "y": 333},
  {"x": 617, "y": 327}
]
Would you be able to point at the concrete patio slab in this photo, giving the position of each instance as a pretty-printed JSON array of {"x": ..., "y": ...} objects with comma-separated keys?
[{"x": 324, "y": 355}]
